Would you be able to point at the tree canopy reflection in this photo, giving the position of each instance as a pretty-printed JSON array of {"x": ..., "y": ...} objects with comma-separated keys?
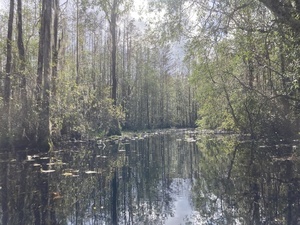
[
  {"x": 130, "y": 182},
  {"x": 170, "y": 178},
  {"x": 247, "y": 182}
]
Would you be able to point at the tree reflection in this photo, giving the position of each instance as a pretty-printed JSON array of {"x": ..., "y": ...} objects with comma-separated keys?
[
  {"x": 247, "y": 182},
  {"x": 4, "y": 188},
  {"x": 139, "y": 181}
]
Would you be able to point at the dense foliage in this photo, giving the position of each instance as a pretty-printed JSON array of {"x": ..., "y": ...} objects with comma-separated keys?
[
  {"x": 85, "y": 69},
  {"x": 244, "y": 58},
  {"x": 252, "y": 65}
]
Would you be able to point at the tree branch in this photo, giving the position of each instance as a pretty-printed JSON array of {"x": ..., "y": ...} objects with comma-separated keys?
[{"x": 285, "y": 12}]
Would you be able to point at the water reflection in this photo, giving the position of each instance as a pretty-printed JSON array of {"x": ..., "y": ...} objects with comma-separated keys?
[
  {"x": 248, "y": 183},
  {"x": 159, "y": 179},
  {"x": 141, "y": 181}
]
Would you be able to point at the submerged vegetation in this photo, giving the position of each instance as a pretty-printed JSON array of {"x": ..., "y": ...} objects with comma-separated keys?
[{"x": 77, "y": 69}]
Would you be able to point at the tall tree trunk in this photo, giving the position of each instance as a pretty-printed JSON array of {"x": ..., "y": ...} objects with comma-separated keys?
[
  {"x": 77, "y": 43},
  {"x": 6, "y": 126},
  {"x": 55, "y": 46},
  {"x": 44, "y": 114},
  {"x": 23, "y": 85},
  {"x": 113, "y": 24},
  {"x": 114, "y": 126},
  {"x": 39, "y": 80}
]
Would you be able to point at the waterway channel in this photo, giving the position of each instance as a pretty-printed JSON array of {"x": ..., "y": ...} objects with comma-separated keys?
[{"x": 168, "y": 177}]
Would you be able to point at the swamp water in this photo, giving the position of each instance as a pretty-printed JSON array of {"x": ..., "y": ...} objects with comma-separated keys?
[{"x": 161, "y": 178}]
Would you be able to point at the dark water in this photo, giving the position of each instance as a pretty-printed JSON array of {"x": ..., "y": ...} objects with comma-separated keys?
[{"x": 160, "y": 178}]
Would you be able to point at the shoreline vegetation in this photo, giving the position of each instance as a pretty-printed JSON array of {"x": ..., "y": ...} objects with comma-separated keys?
[
  {"x": 193, "y": 134},
  {"x": 94, "y": 68}
]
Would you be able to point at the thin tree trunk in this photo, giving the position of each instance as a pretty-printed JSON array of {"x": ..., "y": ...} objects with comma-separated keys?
[
  {"x": 55, "y": 47},
  {"x": 7, "y": 80},
  {"x": 6, "y": 126},
  {"x": 77, "y": 43},
  {"x": 23, "y": 85},
  {"x": 44, "y": 115},
  {"x": 114, "y": 52},
  {"x": 39, "y": 80},
  {"x": 115, "y": 126}
]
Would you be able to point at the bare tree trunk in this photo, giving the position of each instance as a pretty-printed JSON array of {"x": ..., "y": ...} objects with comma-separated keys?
[
  {"x": 55, "y": 47},
  {"x": 113, "y": 24},
  {"x": 114, "y": 126},
  {"x": 7, "y": 80},
  {"x": 44, "y": 113},
  {"x": 39, "y": 80},
  {"x": 23, "y": 85},
  {"x": 77, "y": 43},
  {"x": 6, "y": 126}
]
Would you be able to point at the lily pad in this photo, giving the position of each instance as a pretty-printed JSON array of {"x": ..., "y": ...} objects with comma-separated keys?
[
  {"x": 47, "y": 171},
  {"x": 90, "y": 172},
  {"x": 67, "y": 174}
]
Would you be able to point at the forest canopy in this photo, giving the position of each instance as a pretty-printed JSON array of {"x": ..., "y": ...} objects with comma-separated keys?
[{"x": 82, "y": 68}]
